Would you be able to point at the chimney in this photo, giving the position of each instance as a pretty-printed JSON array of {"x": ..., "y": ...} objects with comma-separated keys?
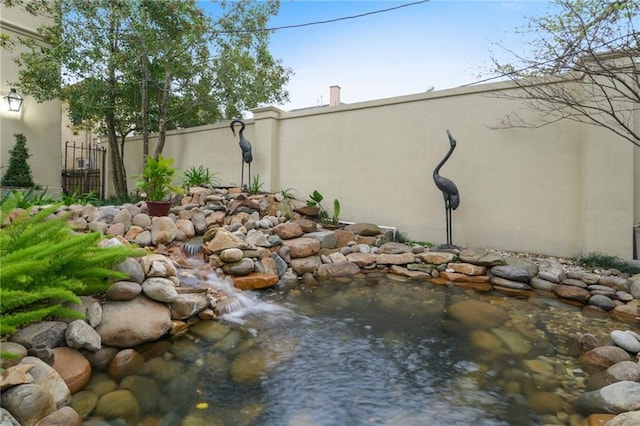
[{"x": 334, "y": 95}]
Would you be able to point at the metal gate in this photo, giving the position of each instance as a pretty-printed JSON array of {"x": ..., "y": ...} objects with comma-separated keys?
[{"x": 83, "y": 170}]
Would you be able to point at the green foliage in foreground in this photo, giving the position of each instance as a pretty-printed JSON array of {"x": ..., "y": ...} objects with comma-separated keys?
[
  {"x": 45, "y": 264},
  {"x": 605, "y": 261}
]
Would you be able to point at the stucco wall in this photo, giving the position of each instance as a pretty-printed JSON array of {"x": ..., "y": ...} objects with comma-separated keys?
[
  {"x": 39, "y": 122},
  {"x": 559, "y": 189}
]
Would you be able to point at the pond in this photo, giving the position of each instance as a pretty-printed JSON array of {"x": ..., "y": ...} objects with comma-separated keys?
[{"x": 365, "y": 351}]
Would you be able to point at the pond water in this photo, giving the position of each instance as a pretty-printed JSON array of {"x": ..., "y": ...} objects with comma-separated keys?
[{"x": 366, "y": 351}]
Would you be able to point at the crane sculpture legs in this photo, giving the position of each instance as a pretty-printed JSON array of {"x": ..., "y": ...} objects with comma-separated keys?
[
  {"x": 447, "y": 212},
  {"x": 242, "y": 175}
]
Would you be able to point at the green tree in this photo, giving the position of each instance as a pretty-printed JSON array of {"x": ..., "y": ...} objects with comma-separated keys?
[
  {"x": 141, "y": 66},
  {"x": 18, "y": 172},
  {"x": 593, "y": 41}
]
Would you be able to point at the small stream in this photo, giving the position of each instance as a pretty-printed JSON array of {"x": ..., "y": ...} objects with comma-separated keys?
[{"x": 362, "y": 351}]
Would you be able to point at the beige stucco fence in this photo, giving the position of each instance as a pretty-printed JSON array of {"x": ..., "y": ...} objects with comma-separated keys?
[{"x": 560, "y": 189}]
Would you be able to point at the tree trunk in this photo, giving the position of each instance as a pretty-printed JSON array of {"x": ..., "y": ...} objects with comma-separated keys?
[{"x": 162, "y": 124}]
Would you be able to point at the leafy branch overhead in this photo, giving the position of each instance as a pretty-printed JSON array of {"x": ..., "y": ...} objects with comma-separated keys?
[
  {"x": 143, "y": 66},
  {"x": 592, "y": 42}
]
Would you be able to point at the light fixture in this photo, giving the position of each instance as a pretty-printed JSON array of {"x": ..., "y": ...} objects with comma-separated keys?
[{"x": 14, "y": 100}]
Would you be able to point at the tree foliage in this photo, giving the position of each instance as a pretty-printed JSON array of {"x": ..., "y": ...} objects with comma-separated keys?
[
  {"x": 141, "y": 66},
  {"x": 18, "y": 172},
  {"x": 591, "y": 41},
  {"x": 45, "y": 264}
]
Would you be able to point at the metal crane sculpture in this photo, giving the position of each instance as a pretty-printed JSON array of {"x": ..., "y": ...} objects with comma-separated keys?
[
  {"x": 245, "y": 146},
  {"x": 448, "y": 188}
]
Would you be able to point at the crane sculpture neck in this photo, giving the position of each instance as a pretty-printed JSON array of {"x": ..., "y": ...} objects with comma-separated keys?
[
  {"x": 436, "y": 171},
  {"x": 233, "y": 126}
]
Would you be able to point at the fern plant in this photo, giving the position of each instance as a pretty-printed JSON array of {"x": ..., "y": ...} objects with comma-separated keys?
[{"x": 45, "y": 264}]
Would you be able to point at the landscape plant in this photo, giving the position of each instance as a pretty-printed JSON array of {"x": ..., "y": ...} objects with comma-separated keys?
[
  {"x": 199, "y": 176},
  {"x": 24, "y": 199},
  {"x": 156, "y": 181},
  {"x": 315, "y": 199},
  {"x": 46, "y": 266},
  {"x": 18, "y": 172},
  {"x": 255, "y": 186}
]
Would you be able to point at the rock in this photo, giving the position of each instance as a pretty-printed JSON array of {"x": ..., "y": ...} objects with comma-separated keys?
[
  {"x": 572, "y": 293},
  {"x": 306, "y": 225},
  {"x": 163, "y": 230},
  {"x": 631, "y": 418},
  {"x": 49, "y": 379},
  {"x": 628, "y": 314},
  {"x": 255, "y": 281},
  {"x": 626, "y": 341},
  {"x": 242, "y": 267},
  {"x": 602, "y": 302},
  {"x": 17, "y": 351},
  {"x": 132, "y": 268},
  {"x": 540, "y": 284},
  {"x": 116, "y": 229},
  {"x": 574, "y": 282},
  {"x": 186, "y": 226},
  {"x": 305, "y": 264},
  {"x": 551, "y": 270},
  {"x": 125, "y": 363},
  {"x": 120, "y": 403},
  {"x": 436, "y": 257},
  {"x": 603, "y": 357},
  {"x": 288, "y": 230},
  {"x": 394, "y": 248},
  {"x": 396, "y": 259},
  {"x": 188, "y": 305},
  {"x": 617, "y": 283},
  {"x": 332, "y": 270},
  {"x": 128, "y": 324},
  {"x": 123, "y": 290},
  {"x": 365, "y": 229},
  {"x": 100, "y": 359},
  {"x": 16, "y": 375},
  {"x": 516, "y": 285},
  {"x": 142, "y": 220},
  {"x": 6, "y": 419},
  {"x": 327, "y": 239},
  {"x": 28, "y": 403},
  {"x": 513, "y": 273},
  {"x": 467, "y": 268},
  {"x": 73, "y": 367},
  {"x": 145, "y": 390},
  {"x": 65, "y": 416},
  {"x": 361, "y": 259},
  {"x": 231, "y": 255},
  {"x": 302, "y": 247},
  {"x": 546, "y": 403},
  {"x": 48, "y": 333},
  {"x": 479, "y": 256},
  {"x": 476, "y": 314},
  {"x": 615, "y": 398},
  {"x": 224, "y": 239},
  {"x": 81, "y": 335},
  {"x": 159, "y": 289}
]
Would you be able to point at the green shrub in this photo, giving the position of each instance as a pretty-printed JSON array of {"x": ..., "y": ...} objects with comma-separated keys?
[
  {"x": 199, "y": 176},
  {"x": 45, "y": 264},
  {"x": 605, "y": 261},
  {"x": 18, "y": 173},
  {"x": 28, "y": 198}
]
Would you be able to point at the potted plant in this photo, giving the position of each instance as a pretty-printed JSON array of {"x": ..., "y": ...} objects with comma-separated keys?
[{"x": 156, "y": 184}]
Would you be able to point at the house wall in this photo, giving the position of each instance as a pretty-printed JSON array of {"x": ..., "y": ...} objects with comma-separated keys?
[
  {"x": 559, "y": 189},
  {"x": 39, "y": 122}
]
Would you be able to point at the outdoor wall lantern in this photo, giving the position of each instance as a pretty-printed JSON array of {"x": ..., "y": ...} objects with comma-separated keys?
[{"x": 14, "y": 100}]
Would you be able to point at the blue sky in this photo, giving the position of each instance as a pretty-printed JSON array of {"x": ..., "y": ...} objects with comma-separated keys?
[{"x": 439, "y": 43}]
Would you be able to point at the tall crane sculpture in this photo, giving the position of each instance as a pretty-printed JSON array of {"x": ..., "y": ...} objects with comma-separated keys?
[
  {"x": 245, "y": 146},
  {"x": 448, "y": 188}
]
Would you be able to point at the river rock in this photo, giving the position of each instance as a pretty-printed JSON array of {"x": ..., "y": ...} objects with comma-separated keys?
[
  {"x": 73, "y": 367},
  {"x": 551, "y": 270},
  {"x": 305, "y": 264},
  {"x": 188, "y": 305},
  {"x": 365, "y": 229},
  {"x": 628, "y": 314},
  {"x": 540, "y": 284},
  {"x": 287, "y": 230},
  {"x": 132, "y": 268},
  {"x": 615, "y": 398},
  {"x": 623, "y": 370},
  {"x": 15, "y": 375},
  {"x": 17, "y": 351},
  {"x": 128, "y": 324},
  {"x": 28, "y": 403},
  {"x": 47, "y": 333},
  {"x": 615, "y": 282},
  {"x": 631, "y": 418},
  {"x": 100, "y": 359},
  {"x": 123, "y": 290},
  {"x": 255, "y": 281},
  {"x": 231, "y": 255},
  {"x": 514, "y": 273},
  {"x": 163, "y": 230},
  {"x": 602, "y": 302},
  {"x": 331, "y": 270},
  {"x": 327, "y": 239},
  {"x": 626, "y": 341},
  {"x": 125, "y": 363},
  {"x": 81, "y": 335},
  {"x": 120, "y": 403},
  {"x": 65, "y": 416},
  {"x": 572, "y": 293},
  {"x": 396, "y": 259},
  {"x": 302, "y": 247},
  {"x": 479, "y": 256},
  {"x": 160, "y": 289},
  {"x": 145, "y": 390},
  {"x": 46, "y": 376},
  {"x": 187, "y": 227},
  {"x": 476, "y": 314},
  {"x": 603, "y": 357},
  {"x": 242, "y": 267}
]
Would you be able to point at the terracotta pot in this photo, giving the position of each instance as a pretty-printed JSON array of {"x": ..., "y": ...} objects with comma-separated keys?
[{"x": 158, "y": 208}]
